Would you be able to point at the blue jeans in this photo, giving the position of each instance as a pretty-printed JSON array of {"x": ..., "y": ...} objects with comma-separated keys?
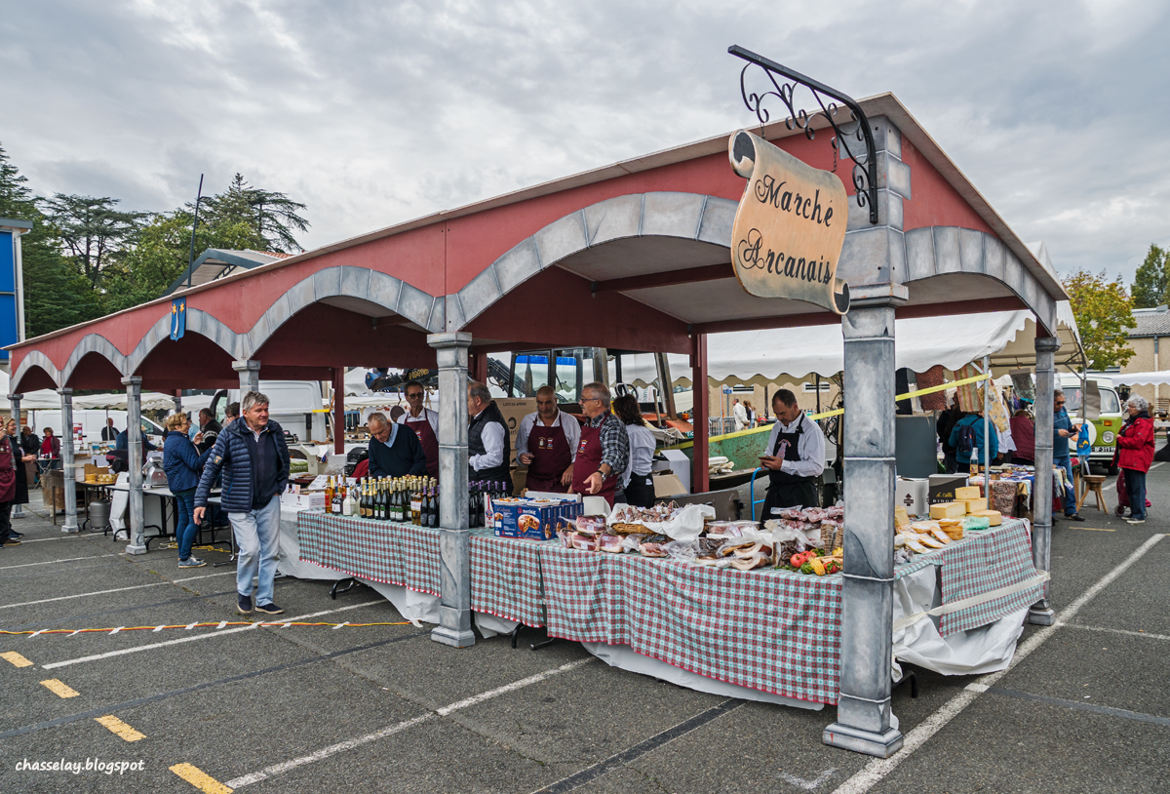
[
  {"x": 185, "y": 528},
  {"x": 1135, "y": 489},
  {"x": 257, "y": 534},
  {"x": 1070, "y": 496}
]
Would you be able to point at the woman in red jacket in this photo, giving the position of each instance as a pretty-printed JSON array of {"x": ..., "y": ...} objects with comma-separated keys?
[{"x": 1135, "y": 453}]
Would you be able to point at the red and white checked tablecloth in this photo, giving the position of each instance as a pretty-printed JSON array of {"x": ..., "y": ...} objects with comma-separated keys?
[
  {"x": 770, "y": 630},
  {"x": 380, "y": 551},
  {"x": 984, "y": 561},
  {"x": 506, "y": 578}
]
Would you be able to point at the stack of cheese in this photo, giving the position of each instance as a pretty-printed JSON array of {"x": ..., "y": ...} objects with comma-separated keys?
[
  {"x": 926, "y": 536},
  {"x": 967, "y": 502}
]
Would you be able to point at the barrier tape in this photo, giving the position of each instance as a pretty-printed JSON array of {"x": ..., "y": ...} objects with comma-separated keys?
[
  {"x": 838, "y": 411},
  {"x": 217, "y": 624}
]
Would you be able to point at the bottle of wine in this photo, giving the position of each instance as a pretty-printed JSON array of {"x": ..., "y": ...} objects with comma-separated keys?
[
  {"x": 347, "y": 503},
  {"x": 415, "y": 502},
  {"x": 329, "y": 495}
]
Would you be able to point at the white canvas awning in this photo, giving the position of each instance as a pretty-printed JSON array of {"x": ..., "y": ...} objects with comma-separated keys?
[
  {"x": 922, "y": 342},
  {"x": 1161, "y": 378}
]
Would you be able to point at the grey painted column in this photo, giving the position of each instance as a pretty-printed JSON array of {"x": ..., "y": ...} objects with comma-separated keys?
[
  {"x": 133, "y": 386},
  {"x": 67, "y": 477},
  {"x": 454, "y": 627},
  {"x": 865, "y": 722},
  {"x": 249, "y": 372},
  {"x": 14, "y": 401},
  {"x": 1046, "y": 346},
  {"x": 178, "y": 401}
]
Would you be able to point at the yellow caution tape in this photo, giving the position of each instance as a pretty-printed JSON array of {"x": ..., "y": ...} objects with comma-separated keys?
[
  {"x": 839, "y": 411},
  {"x": 218, "y": 624}
]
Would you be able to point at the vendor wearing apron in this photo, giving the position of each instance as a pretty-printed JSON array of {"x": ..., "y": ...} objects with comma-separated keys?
[
  {"x": 795, "y": 457},
  {"x": 546, "y": 442},
  {"x": 488, "y": 447},
  {"x": 604, "y": 450},
  {"x": 425, "y": 424}
]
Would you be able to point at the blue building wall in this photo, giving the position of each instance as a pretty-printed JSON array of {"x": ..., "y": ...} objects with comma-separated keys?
[{"x": 9, "y": 330}]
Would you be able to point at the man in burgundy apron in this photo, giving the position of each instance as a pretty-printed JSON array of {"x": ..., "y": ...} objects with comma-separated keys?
[
  {"x": 795, "y": 457},
  {"x": 425, "y": 424},
  {"x": 546, "y": 442},
  {"x": 604, "y": 450}
]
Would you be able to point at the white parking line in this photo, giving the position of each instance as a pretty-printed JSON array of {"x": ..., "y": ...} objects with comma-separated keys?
[
  {"x": 54, "y": 562},
  {"x": 116, "y": 590},
  {"x": 196, "y": 637},
  {"x": 390, "y": 730},
  {"x": 1110, "y": 630},
  {"x": 873, "y": 772}
]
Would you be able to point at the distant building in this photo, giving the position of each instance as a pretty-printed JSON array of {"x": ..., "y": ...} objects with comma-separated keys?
[{"x": 1153, "y": 325}]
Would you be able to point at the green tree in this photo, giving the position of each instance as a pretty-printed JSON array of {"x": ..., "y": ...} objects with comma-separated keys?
[
  {"x": 274, "y": 217},
  {"x": 161, "y": 255},
  {"x": 1104, "y": 314},
  {"x": 1151, "y": 283},
  {"x": 55, "y": 295},
  {"x": 92, "y": 230}
]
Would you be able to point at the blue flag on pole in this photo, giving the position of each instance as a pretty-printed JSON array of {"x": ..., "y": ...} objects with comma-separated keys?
[{"x": 178, "y": 318}]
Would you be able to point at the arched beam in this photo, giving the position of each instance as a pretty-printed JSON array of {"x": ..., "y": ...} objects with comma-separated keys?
[
  {"x": 94, "y": 343},
  {"x": 941, "y": 250},
  {"x": 688, "y": 216},
  {"x": 35, "y": 358},
  {"x": 392, "y": 294}
]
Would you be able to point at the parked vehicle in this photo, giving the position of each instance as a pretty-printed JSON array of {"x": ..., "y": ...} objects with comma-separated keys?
[
  {"x": 1103, "y": 429},
  {"x": 297, "y": 405},
  {"x": 91, "y": 422}
]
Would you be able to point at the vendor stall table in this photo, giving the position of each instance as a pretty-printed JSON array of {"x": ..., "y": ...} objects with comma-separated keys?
[{"x": 771, "y": 631}]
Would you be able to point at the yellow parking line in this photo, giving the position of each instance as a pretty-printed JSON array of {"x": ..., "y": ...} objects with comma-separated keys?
[
  {"x": 200, "y": 779},
  {"x": 15, "y": 658},
  {"x": 59, "y": 689},
  {"x": 119, "y": 728}
]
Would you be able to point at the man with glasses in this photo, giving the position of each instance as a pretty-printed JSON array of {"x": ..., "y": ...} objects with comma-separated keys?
[
  {"x": 1063, "y": 430},
  {"x": 546, "y": 442},
  {"x": 425, "y": 424},
  {"x": 393, "y": 453},
  {"x": 604, "y": 449}
]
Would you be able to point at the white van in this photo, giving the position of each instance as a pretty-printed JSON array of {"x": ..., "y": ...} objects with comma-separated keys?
[
  {"x": 90, "y": 422},
  {"x": 296, "y": 405}
]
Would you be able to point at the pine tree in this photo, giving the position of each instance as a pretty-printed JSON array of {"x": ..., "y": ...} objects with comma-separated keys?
[{"x": 1151, "y": 282}]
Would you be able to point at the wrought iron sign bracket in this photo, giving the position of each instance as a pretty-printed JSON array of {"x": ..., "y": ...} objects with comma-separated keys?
[{"x": 785, "y": 82}]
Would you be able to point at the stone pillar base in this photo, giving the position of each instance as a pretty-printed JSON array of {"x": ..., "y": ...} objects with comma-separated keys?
[
  {"x": 70, "y": 530},
  {"x": 132, "y": 549},
  {"x": 1041, "y": 614},
  {"x": 882, "y": 745},
  {"x": 452, "y": 637}
]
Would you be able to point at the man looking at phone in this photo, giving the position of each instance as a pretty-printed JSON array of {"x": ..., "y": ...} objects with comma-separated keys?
[{"x": 795, "y": 457}]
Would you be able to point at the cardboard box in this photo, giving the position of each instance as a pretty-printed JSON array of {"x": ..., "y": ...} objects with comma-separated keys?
[
  {"x": 515, "y": 409},
  {"x": 528, "y": 518},
  {"x": 942, "y": 487},
  {"x": 667, "y": 484},
  {"x": 912, "y": 493}
]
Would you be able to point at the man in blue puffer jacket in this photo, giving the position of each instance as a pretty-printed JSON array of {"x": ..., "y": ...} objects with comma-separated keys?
[{"x": 254, "y": 459}]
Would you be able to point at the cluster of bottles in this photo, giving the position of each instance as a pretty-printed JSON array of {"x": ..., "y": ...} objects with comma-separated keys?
[
  {"x": 480, "y": 494},
  {"x": 407, "y": 500}
]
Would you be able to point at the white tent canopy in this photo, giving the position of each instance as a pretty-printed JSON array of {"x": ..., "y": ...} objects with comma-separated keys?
[
  {"x": 1161, "y": 378},
  {"x": 49, "y": 400},
  {"x": 921, "y": 343}
]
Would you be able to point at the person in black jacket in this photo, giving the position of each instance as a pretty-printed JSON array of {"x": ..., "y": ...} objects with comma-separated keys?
[
  {"x": 946, "y": 422},
  {"x": 253, "y": 456},
  {"x": 393, "y": 453},
  {"x": 489, "y": 449}
]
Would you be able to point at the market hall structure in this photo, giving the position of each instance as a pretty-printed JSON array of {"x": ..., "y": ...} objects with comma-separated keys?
[{"x": 633, "y": 255}]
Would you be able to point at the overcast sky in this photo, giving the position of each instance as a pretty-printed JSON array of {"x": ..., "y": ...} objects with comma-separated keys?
[{"x": 372, "y": 113}]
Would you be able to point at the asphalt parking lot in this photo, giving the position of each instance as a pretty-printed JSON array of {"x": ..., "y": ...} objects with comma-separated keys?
[{"x": 1085, "y": 706}]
